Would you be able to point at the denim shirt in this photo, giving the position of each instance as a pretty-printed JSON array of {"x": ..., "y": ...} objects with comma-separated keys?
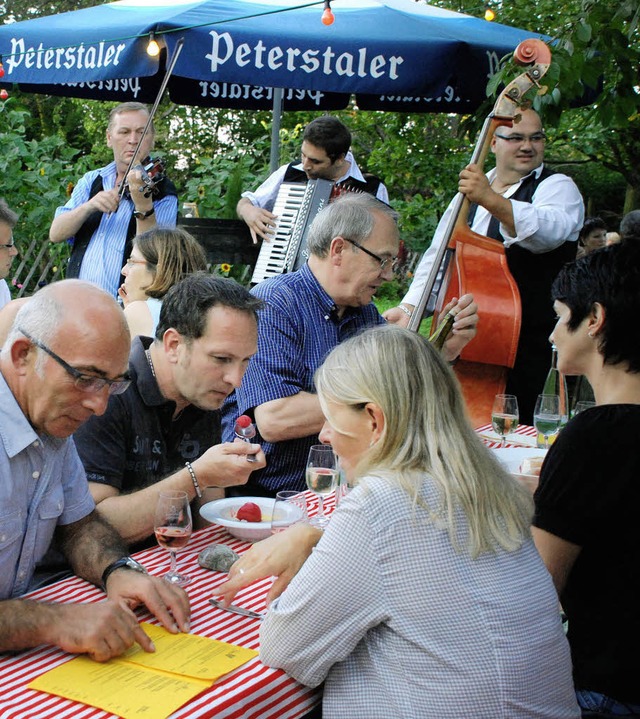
[{"x": 42, "y": 484}]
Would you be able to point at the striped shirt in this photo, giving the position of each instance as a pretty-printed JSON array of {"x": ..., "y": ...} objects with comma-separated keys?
[{"x": 102, "y": 261}]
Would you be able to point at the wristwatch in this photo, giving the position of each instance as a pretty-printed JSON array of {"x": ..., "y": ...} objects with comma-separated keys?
[
  {"x": 143, "y": 215},
  {"x": 126, "y": 562}
]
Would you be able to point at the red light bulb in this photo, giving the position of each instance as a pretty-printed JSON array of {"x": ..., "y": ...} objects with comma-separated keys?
[
  {"x": 1, "y": 70},
  {"x": 3, "y": 94}
]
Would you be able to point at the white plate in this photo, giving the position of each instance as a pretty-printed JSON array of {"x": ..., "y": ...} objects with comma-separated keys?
[
  {"x": 511, "y": 457},
  {"x": 223, "y": 512}
]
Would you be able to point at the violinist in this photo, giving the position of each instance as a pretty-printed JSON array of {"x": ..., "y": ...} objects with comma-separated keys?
[
  {"x": 102, "y": 217},
  {"x": 537, "y": 214}
]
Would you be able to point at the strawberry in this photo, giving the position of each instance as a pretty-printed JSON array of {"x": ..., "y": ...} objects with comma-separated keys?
[{"x": 249, "y": 512}]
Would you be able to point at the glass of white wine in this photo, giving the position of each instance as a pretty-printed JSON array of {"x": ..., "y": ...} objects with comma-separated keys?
[
  {"x": 289, "y": 508},
  {"x": 546, "y": 416},
  {"x": 173, "y": 527},
  {"x": 321, "y": 475},
  {"x": 505, "y": 415}
]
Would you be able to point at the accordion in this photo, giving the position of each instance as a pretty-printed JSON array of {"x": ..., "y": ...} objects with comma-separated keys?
[{"x": 296, "y": 206}]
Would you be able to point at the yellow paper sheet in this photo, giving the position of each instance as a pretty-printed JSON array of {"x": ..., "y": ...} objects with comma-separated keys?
[{"x": 148, "y": 686}]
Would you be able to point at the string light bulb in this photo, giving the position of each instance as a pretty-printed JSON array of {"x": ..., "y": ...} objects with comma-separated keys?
[
  {"x": 489, "y": 15},
  {"x": 153, "y": 49},
  {"x": 327, "y": 16}
]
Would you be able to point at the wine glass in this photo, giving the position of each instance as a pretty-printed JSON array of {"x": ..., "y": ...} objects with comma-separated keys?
[
  {"x": 546, "y": 416},
  {"x": 173, "y": 527},
  {"x": 321, "y": 475},
  {"x": 504, "y": 415},
  {"x": 290, "y": 507},
  {"x": 582, "y": 405}
]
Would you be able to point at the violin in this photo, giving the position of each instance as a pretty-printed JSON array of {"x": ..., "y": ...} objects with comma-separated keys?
[
  {"x": 467, "y": 262},
  {"x": 153, "y": 172}
]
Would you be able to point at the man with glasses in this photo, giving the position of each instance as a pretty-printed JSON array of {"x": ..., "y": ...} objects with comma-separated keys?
[
  {"x": 8, "y": 251},
  {"x": 99, "y": 219},
  {"x": 163, "y": 433},
  {"x": 537, "y": 214},
  {"x": 65, "y": 354},
  {"x": 353, "y": 243}
]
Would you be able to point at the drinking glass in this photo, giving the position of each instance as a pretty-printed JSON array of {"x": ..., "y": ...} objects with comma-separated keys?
[
  {"x": 582, "y": 405},
  {"x": 321, "y": 475},
  {"x": 546, "y": 416},
  {"x": 504, "y": 415},
  {"x": 290, "y": 507},
  {"x": 173, "y": 527}
]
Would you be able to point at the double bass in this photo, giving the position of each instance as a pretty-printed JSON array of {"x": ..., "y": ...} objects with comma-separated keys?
[{"x": 471, "y": 263}]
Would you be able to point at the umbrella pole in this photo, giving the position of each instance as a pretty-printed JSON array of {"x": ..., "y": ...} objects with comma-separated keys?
[{"x": 274, "y": 159}]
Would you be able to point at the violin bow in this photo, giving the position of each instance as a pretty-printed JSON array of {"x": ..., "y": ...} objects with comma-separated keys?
[{"x": 176, "y": 54}]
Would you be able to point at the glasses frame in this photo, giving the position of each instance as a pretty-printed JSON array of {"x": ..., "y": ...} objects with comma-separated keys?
[
  {"x": 130, "y": 262},
  {"x": 85, "y": 382},
  {"x": 384, "y": 262},
  {"x": 520, "y": 139}
]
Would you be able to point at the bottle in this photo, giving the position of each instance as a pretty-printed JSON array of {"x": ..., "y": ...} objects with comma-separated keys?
[{"x": 557, "y": 384}]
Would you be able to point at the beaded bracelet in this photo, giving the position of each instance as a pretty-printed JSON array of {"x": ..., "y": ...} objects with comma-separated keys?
[{"x": 194, "y": 479}]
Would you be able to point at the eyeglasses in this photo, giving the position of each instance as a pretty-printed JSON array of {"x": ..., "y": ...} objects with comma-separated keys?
[
  {"x": 84, "y": 382},
  {"x": 130, "y": 262},
  {"x": 384, "y": 261},
  {"x": 519, "y": 139}
]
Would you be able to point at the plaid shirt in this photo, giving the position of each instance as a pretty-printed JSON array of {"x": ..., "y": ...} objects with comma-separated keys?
[{"x": 298, "y": 327}]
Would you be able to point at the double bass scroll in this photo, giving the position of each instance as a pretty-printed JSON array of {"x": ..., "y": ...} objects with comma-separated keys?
[{"x": 467, "y": 262}]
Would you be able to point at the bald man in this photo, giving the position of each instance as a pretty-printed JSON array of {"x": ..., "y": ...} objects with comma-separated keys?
[{"x": 65, "y": 353}]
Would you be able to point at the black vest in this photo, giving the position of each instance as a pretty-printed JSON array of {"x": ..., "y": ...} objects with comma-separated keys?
[
  {"x": 534, "y": 273},
  {"x": 85, "y": 233},
  {"x": 371, "y": 184}
]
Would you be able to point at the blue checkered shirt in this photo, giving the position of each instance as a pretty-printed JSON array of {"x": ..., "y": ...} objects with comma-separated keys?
[{"x": 297, "y": 328}]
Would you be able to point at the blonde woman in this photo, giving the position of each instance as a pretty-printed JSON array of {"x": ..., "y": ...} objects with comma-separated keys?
[
  {"x": 159, "y": 259},
  {"x": 425, "y": 598}
]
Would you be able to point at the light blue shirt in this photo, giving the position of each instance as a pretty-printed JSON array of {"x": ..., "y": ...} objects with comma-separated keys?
[
  {"x": 102, "y": 261},
  {"x": 42, "y": 484}
]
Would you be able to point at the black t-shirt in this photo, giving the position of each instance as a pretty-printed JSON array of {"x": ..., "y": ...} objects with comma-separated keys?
[
  {"x": 136, "y": 442},
  {"x": 589, "y": 494}
]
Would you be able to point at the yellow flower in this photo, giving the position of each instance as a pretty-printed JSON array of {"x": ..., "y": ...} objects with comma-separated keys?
[
  {"x": 42, "y": 171},
  {"x": 201, "y": 191},
  {"x": 224, "y": 267}
]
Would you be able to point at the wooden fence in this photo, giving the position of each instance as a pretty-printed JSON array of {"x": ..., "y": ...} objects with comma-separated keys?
[{"x": 225, "y": 242}]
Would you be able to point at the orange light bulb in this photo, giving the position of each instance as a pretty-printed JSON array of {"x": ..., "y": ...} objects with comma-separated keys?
[{"x": 327, "y": 16}]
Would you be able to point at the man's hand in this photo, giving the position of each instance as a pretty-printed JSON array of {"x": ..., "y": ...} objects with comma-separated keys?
[
  {"x": 105, "y": 201},
  {"x": 226, "y": 465},
  {"x": 280, "y": 555},
  {"x": 168, "y": 603},
  {"x": 261, "y": 222},
  {"x": 395, "y": 316},
  {"x": 102, "y": 631},
  {"x": 474, "y": 185},
  {"x": 464, "y": 328}
]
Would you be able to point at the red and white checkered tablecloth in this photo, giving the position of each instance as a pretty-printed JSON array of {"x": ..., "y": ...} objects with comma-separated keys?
[
  {"x": 524, "y": 432},
  {"x": 252, "y": 691}
]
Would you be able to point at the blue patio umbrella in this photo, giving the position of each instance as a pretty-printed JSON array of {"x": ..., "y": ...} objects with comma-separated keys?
[{"x": 394, "y": 54}]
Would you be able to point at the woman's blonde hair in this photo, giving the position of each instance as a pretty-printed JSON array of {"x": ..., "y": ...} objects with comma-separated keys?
[
  {"x": 171, "y": 254},
  {"x": 426, "y": 431}
]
